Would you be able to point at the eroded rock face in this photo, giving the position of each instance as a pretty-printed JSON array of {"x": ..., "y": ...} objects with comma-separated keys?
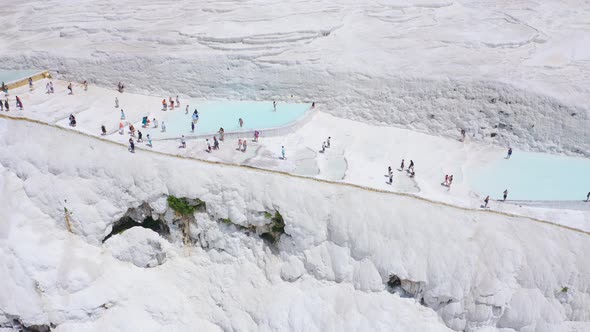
[
  {"x": 292, "y": 269},
  {"x": 14, "y": 323},
  {"x": 140, "y": 246}
]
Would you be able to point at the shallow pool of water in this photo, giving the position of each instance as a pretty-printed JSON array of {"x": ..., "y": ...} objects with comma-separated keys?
[
  {"x": 8, "y": 76},
  {"x": 215, "y": 114},
  {"x": 533, "y": 176}
]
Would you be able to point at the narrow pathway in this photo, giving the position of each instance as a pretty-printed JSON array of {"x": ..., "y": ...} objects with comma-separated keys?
[{"x": 254, "y": 168}]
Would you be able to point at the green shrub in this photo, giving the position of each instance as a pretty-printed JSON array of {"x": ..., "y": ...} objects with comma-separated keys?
[
  {"x": 278, "y": 228},
  {"x": 278, "y": 218},
  {"x": 182, "y": 206},
  {"x": 564, "y": 289},
  {"x": 278, "y": 224}
]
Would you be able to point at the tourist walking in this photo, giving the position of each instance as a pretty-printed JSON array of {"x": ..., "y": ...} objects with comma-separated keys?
[
  {"x": 215, "y": 143},
  {"x": 509, "y": 153},
  {"x": 103, "y": 130},
  {"x": 486, "y": 201},
  {"x": 182, "y": 142},
  {"x": 72, "y": 120},
  {"x": 70, "y": 88},
  {"x": 116, "y": 102},
  {"x": 283, "y": 152},
  {"x": 149, "y": 143},
  {"x": 401, "y": 166},
  {"x": 505, "y": 194},
  {"x": 131, "y": 145}
]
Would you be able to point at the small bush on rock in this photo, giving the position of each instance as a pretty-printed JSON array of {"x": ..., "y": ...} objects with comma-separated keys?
[{"x": 183, "y": 207}]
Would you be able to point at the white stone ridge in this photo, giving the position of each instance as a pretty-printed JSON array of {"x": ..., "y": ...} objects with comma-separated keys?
[{"x": 474, "y": 269}]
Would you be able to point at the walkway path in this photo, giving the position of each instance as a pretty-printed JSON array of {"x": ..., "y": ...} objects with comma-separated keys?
[{"x": 359, "y": 187}]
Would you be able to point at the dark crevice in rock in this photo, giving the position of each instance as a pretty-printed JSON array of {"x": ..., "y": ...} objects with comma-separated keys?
[
  {"x": 405, "y": 288},
  {"x": 126, "y": 223},
  {"x": 270, "y": 233},
  {"x": 140, "y": 216}
]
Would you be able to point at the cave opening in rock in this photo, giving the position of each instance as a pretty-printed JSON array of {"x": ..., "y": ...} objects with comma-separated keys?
[{"x": 127, "y": 222}]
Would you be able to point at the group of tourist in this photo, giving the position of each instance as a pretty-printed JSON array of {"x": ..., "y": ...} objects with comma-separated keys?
[
  {"x": 402, "y": 167},
  {"x": 242, "y": 143},
  {"x": 49, "y": 87},
  {"x": 5, "y": 106},
  {"x": 409, "y": 171},
  {"x": 139, "y": 139},
  {"x": 448, "y": 181},
  {"x": 172, "y": 104}
]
